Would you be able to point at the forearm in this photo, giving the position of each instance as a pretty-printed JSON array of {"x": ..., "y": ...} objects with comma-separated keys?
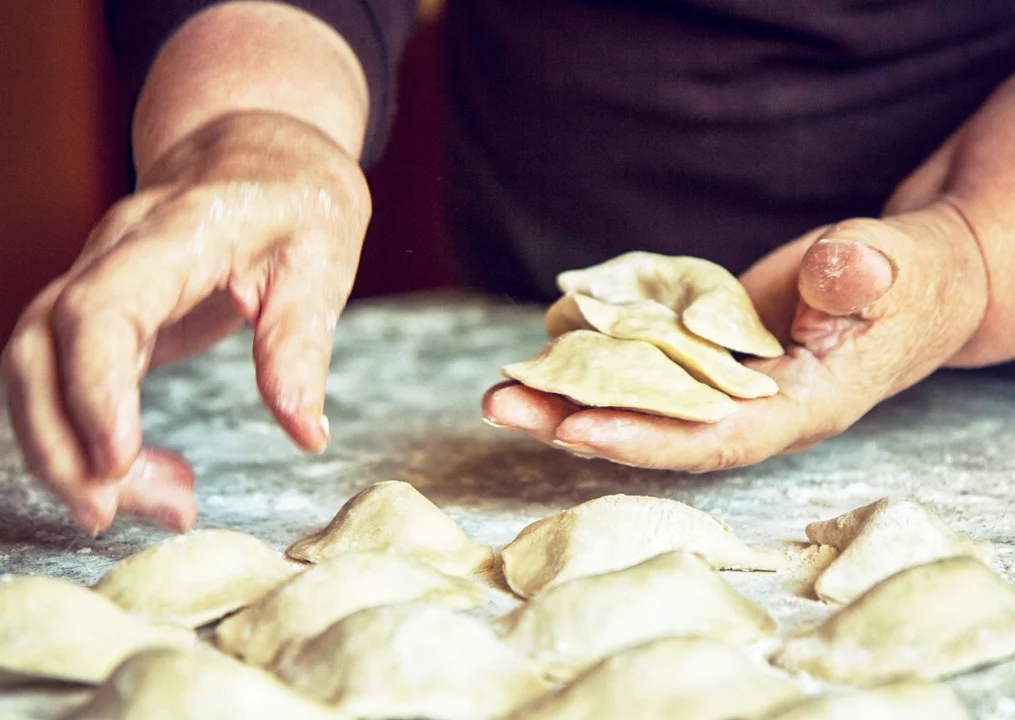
[
  {"x": 981, "y": 185},
  {"x": 251, "y": 56}
]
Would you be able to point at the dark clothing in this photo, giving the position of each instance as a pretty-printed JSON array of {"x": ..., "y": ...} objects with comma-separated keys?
[
  {"x": 376, "y": 30},
  {"x": 716, "y": 128}
]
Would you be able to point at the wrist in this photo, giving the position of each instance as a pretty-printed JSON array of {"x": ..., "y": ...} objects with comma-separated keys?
[
  {"x": 248, "y": 146},
  {"x": 956, "y": 288},
  {"x": 991, "y": 341},
  {"x": 251, "y": 56}
]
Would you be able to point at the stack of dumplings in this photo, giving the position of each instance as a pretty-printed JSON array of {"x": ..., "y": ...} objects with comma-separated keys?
[{"x": 654, "y": 334}]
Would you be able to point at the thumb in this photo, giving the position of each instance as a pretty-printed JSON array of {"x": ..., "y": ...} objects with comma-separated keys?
[{"x": 843, "y": 272}]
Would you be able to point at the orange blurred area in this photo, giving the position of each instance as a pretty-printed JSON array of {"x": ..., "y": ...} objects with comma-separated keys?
[{"x": 63, "y": 154}]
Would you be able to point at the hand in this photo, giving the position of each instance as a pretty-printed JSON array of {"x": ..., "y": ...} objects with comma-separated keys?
[
  {"x": 255, "y": 217},
  {"x": 867, "y": 308}
]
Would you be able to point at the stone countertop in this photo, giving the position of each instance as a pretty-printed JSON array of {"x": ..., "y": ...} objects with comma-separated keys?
[{"x": 403, "y": 401}]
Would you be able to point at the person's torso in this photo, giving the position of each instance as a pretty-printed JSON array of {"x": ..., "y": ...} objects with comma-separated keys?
[{"x": 717, "y": 128}]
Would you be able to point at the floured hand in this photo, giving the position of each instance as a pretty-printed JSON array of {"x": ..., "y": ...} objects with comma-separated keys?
[{"x": 866, "y": 307}]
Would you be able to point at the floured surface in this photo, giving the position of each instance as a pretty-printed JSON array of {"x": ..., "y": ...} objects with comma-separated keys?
[{"x": 404, "y": 404}]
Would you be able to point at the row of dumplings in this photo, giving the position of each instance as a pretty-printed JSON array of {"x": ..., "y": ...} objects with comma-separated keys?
[
  {"x": 652, "y": 333},
  {"x": 627, "y": 616}
]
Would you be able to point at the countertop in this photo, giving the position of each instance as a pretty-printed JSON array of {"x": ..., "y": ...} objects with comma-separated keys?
[{"x": 403, "y": 401}]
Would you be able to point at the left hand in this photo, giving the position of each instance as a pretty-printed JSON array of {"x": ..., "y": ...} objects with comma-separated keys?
[{"x": 866, "y": 309}]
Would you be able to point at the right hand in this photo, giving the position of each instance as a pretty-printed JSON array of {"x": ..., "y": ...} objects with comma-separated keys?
[{"x": 255, "y": 217}]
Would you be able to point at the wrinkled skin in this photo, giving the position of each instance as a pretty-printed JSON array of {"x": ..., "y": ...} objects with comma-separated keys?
[
  {"x": 840, "y": 307},
  {"x": 867, "y": 307},
  {"x": 255, "y": 218}
]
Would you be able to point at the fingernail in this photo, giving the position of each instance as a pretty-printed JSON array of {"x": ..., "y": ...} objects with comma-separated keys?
[
  {"x": 576, "y": 449},
  {"x": 173, "y": 520},
  {"x": 325, "y": 426},
  {"x": 493, "y": 424},
  {"x": 847, "y": 254},
  {"x": 92, "y": 517},
  {"x": 842, "y": 276},
  {"x": 87, "y": 520}
]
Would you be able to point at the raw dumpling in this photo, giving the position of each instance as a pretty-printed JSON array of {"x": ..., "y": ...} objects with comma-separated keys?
[
  {"x": 580, "y": 622},
  {"x": 651, "y": 322},
  {"x": 195, "y": 685},
  {"x": 395, "y": 516},
  {"x": 411, "y": 661},
  {"x": 808, "y": 562},
  {"x": 600, "y": 371},
  {"x": 880, "y": 539},
  {"x": 710, "y": 301},
  {"x": 924, "y": 623},
  {"x": 310, "y": 602},
  {"x": 195, "y": 578},
  {"x": 685, "y": 678},
  {"x": 54, "y": 629},
  {"x": 618, "y": 531},
  {"x": 902, "y": 701}
]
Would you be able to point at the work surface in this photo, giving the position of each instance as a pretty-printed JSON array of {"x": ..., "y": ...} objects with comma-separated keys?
[{"x": 403, "y": 400}]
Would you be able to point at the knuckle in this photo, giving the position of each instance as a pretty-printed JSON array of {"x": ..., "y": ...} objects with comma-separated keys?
[
  {"x": 55, "y": 471},
  {"x": 74, "y": 306},
  {"x": 728, "y": 456},
  {"x": 23, "y": 349},
  {"x": 118, "y": 220}
]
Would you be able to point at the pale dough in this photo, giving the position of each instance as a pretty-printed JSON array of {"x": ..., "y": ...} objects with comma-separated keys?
[
  {"x": 195, "y": 578},
  {"x": 710, "y": 301},
  {"x": 617, "y": 531},
  {"x": 654, "y": 323},
  {"x": 808, "y": 562},
  {"x": 880, "y": 539},
  {"x": 597, "y": 370},
  {"x": 573, "y": 625},
  {"x": 196, "y": 685},
  {"x": 412, "y": 661},
  {"x": 310, "y": 602},
  {"x": 54, "y": 629},
  {"x": 924, "y": 623},
  {"x": 901, "y": 701},
  {"x": 685, "y": 678},
  {"x": 395, "y": 516}
]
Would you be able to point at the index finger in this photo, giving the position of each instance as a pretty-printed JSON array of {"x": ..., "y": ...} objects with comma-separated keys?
[{"x": 110, "y": 312}]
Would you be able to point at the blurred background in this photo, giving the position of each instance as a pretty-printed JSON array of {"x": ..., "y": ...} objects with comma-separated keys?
[{"x": 63, "y": 140}]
